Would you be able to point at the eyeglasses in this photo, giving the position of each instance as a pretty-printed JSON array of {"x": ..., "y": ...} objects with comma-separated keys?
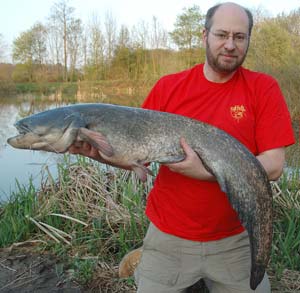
[{"x": 238, "y": 38}]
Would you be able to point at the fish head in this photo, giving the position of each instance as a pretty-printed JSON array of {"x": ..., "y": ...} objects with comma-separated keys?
[{"x": 52, "y": 130}]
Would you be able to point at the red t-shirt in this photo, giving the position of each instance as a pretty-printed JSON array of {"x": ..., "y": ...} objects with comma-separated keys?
[{"x": 250, "y": 107}]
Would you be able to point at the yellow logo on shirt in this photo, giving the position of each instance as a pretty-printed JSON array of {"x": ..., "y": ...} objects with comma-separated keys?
[{"x": 238, "y": 112}]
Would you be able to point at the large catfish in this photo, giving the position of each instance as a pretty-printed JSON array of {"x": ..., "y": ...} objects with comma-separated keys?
[{"x": 131, "y": 137}]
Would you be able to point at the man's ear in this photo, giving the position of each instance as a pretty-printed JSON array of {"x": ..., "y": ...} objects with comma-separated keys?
[{"x": 204, "y": 37}]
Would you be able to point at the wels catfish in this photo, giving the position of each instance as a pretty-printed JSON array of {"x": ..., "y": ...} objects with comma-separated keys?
[{"x": 132, "y": 137}]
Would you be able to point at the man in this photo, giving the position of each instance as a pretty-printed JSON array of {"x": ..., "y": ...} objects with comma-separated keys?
[{"x": 194, "y": 232}]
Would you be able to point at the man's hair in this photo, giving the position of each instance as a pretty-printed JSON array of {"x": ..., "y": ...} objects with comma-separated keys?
[{"x": 211, "y": 12}]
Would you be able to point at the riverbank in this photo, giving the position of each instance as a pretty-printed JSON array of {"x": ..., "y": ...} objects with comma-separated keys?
[
  {"x": 90, "y": 217},
  {"x": 123, "y": 92},
  {"x": 25, "y": 270}
]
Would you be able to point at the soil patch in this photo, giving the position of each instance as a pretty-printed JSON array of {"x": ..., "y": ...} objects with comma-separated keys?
[
  {"x": 26, "y": 271},
  {"x": 23, "y": 270}
]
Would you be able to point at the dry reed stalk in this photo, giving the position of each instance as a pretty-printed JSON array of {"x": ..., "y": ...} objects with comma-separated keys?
[
  {"x": 85, "y": 195},
  {"x": 286, "y": 200},
  {"x": 288, "y": 283}
]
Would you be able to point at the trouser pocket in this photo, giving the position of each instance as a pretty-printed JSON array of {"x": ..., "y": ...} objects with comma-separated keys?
[
  {"x": 158, "y": 267},
  {"x": 160, "y": 260}
]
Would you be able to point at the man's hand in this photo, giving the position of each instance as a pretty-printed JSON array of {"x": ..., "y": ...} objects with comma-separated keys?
[
  {"x": 85, "y": 149},
  {"x": 191, "y": 166},
  {"x": 272, "y": 161}
]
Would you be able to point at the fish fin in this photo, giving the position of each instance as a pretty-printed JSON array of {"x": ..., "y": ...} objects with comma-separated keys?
[
  {"x": 141, "y": 171},
  {"x": 97, "y": 140},
  {"x": 257, "y": 275},
  {"x": 171, "y": 159}
]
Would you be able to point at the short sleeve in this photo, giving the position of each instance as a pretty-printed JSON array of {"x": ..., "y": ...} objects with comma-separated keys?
[{"x": 273, "y": 121}]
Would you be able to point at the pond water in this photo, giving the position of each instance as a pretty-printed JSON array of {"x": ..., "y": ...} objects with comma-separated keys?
[
  {"x": 26, "y": 165},
  {"x": 23, "y": 165},
  {"x": 17, "y": 164}
]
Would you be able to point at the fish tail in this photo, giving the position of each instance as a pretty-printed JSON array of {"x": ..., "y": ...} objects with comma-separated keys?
[{"x": 257, "y": 275}]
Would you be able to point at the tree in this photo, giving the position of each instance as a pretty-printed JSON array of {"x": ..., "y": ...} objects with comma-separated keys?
[
  {"x": 270, "y": 46},
  {"x": 30, "y": 45},
  {"x": 55, "y": 45},
  {"x": 289, "y": 77},
  {"x": 188, "y": 28},
  {"x": 110, "y": 35},
  {"x": 140, "y": 35},
  {"x": 95, "y": 64},
  {"x": 159, "y": 40},
  {"x": 124, "y": 37},
  {"x": 187, "y": 34},
  {"x": 274, "y": 50},
  {"x": 75, "y": 39},
  {"x": 62, "y": 19},
  {"x": 30, "y": 49},
  {"x": 120, "y": 65},
  {"x": 158, "y": 35},
  {"x": 291, "y": 23}
]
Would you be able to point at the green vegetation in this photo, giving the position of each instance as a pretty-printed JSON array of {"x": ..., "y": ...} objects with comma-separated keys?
[
  {"x": 90, "y": 214},
  {"x": 94, "y": 214},
  {"x": 15, "y": 227},
  {"x": 138, "y": 56},
  {"x": 286, "y": 242}
]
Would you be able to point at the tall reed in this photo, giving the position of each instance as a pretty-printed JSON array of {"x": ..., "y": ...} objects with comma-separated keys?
[{"x": 96, "y": 212}]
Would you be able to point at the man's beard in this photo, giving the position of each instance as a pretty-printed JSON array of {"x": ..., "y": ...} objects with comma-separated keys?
[{"x": 222, "y": 67}]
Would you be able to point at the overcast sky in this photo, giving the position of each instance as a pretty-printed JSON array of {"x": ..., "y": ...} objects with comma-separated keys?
[{"x": 17, "y": 16}]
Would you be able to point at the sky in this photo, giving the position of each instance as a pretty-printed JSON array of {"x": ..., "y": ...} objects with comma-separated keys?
[{"x": 17, "y": 16}]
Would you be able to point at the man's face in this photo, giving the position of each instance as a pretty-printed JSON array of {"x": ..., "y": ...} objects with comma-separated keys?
[{"x": 227, "y": 40}]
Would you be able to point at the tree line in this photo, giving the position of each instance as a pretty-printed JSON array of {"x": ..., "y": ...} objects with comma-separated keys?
[{"x": 65, "y": 49}]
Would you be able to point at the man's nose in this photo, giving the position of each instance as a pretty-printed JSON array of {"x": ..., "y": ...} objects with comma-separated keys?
[{"x": 229, "y": 43}]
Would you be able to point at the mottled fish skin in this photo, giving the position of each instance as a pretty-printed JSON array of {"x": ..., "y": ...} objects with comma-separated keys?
[{"x": 131, "y": 137}]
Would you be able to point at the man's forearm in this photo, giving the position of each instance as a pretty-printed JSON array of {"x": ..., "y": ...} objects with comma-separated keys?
[{"x": 273, "y": 162}]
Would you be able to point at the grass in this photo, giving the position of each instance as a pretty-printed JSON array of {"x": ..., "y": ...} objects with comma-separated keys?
[
  {"x": 285, "y": 257},
  {"x": 88, "y": 215},
  {"x": 92, "y": 215},
  {"x": 15, "y": 227},
  {"x": 46, "y": 87},
  {"x": 113, "y": 91},
  {"x": 286, "y": 243}
]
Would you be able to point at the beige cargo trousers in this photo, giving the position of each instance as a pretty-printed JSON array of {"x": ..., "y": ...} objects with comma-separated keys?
[{"x": 170, "y": 264}]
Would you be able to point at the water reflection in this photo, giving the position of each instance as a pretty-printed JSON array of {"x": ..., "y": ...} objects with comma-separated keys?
[
  {"x": 21, "y": 164},
  {"x": 8, "y": 115}
]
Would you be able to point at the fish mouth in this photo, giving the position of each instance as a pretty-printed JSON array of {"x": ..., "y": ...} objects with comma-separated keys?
[
  {"x": 26, "y": 138},
  {"x": 23, "y": 140},
  {"x": 23, "y": 131},
  {"x": 41, "y": 138},
  {"x": 18, "y": 136}
]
